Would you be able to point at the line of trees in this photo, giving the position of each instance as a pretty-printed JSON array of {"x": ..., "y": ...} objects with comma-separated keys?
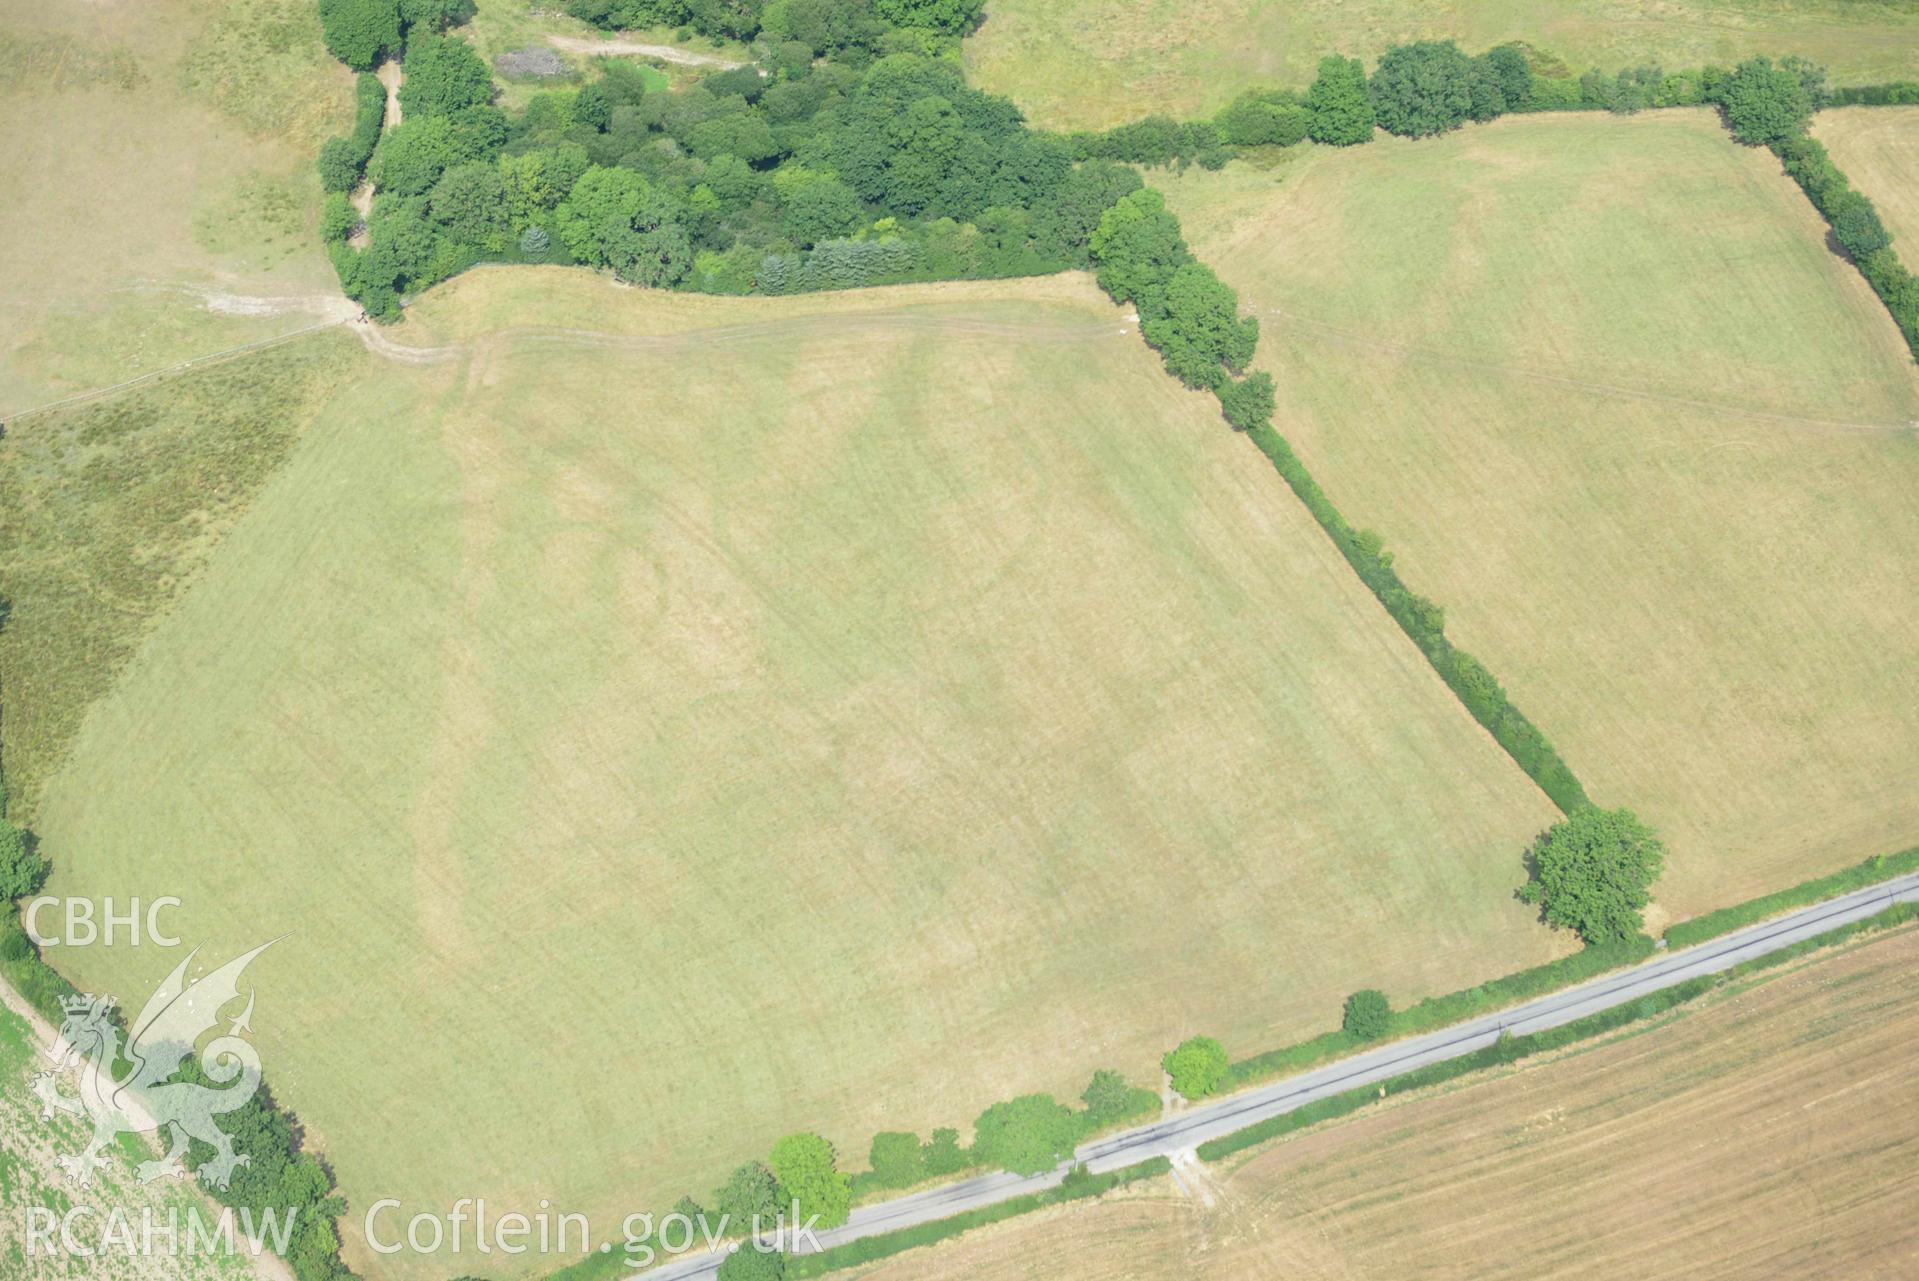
[
  {"x": 1772, "y": 106},
  {"x": 843, "y": 29}
]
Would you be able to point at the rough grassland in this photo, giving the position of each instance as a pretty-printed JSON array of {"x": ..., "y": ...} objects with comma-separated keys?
[
  {"x": 1774, "y": 1133},
  {"x": 108, "y": 508},
  {"x": 1878, "y": 149},
  {"x": 1603, "y": 388},
  {"x": 1094, "y": 63},
  {"x": 836, "y": 712},
  {"x": 158, "y": 162}
]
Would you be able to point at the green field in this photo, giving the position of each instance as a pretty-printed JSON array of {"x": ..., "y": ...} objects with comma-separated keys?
[
  {"x": 833, "y": 712},
  {"x": 1878, "y": 149},
  {"x": 31, "y": 1178},
  {"x": 161, "y": 203},
  {"x": 1602, "y": 386},
  {"x": 1095, "y": 63}
]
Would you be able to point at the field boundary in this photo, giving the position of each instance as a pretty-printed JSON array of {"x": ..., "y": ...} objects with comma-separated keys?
[{"x": 1129, "y": 1156}]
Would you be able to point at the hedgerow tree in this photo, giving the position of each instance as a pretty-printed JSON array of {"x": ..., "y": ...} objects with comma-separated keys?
[
  {"x": 752, "y": 1192},
  {"x": 1593, "y": 872},
  {"x": 22, "y": 870},
  {"x": 1197, "y": 1066},
  {"x": 1423, "y": 88},
  {"x": 943, "y": 1153},
  {"x": 805, "y": 1165},
  {"x": 1340, "y": 103},
  {"x": 360, "y": 32},
  {"x": 1856, "y": 226},
  {"x": 1512, "y": 71},
  {"x": 1028, "y": 1135},
  {"x": 1765, "y": 104},
  {"x": 1137, "y": 247},
  {"x": 1196, "y": 326},
  {"x": 1107, "y": 1098},
  {"x": 1368, "y": 1015},
  {"x": 896, "y": 1159},
  {"x": 1248, "y": 402}
]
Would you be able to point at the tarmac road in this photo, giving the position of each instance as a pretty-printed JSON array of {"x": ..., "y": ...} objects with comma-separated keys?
[{"x": 1212, "y": 1120}]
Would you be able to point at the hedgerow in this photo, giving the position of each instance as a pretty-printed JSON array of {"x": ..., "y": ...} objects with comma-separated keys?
[
  {"x": 1880, "y": 867},
  {"x": 1510, "y": 1048},
  {"x": 1077, "y": 1186}
]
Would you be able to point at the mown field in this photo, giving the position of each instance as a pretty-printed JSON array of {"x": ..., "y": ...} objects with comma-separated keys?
[
  {"x": 1771, "y": 1133},
  {"x": 1095, "y": 63},
  {"x": 1605, "y": 391},
  {"x": 1878, "y": 149},
  {"x": 161, "y": 203},
  {"x": 834, "y": 712}
]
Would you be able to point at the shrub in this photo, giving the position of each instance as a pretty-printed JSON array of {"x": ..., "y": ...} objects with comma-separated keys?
[
  {"x": 943, "y": 1154},
  {"x": 1028, "y": 1135},
  {"x": 1368, "y": 1015},
  {"x": 896, "y": 1159},
  {"x": 338, "y": 217},
  {"x": 1593, "y": 872},
  {"x": 749, "y": 1263},
  {"x": 1197, "y": 1066},
  {"x": 1248, "y": 402},
  {"x": 1341, "y": 107},
  {"x": 805, "y": 1165}
]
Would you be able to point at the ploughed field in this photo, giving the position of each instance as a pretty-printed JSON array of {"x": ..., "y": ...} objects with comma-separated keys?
[
  {"x": 1605, "y": 391},
  {"x": 663, "y": 723}
]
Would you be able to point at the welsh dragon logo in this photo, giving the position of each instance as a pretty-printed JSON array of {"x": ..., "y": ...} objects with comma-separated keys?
[{"x": 145, "y": 1099}]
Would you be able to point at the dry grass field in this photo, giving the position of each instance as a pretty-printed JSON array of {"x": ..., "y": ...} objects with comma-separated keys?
[
  {"x": 1603, "y": 388},
  {"x": 1770, "y": 1133},
  {"x": 833, "y": 712},
  {"x": 1878, "y": 149},
  {"x": 1093, "y": 63},
  {"x": 157, "y": 157}
]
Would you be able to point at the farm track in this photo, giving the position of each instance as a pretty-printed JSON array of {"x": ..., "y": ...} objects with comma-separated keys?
[{"x": 664, "y": 52}]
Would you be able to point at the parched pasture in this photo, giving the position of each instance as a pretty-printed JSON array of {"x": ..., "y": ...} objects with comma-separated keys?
[
  {"x": 1877, "y": 148},
  {"x": 1773, "y": 1129},
  {"x": 1090, "y": 64},
  {"x": 743, "y": 716},
  {"x": 1613, "y": 402},
  {"x": 161, "y": 203}
]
